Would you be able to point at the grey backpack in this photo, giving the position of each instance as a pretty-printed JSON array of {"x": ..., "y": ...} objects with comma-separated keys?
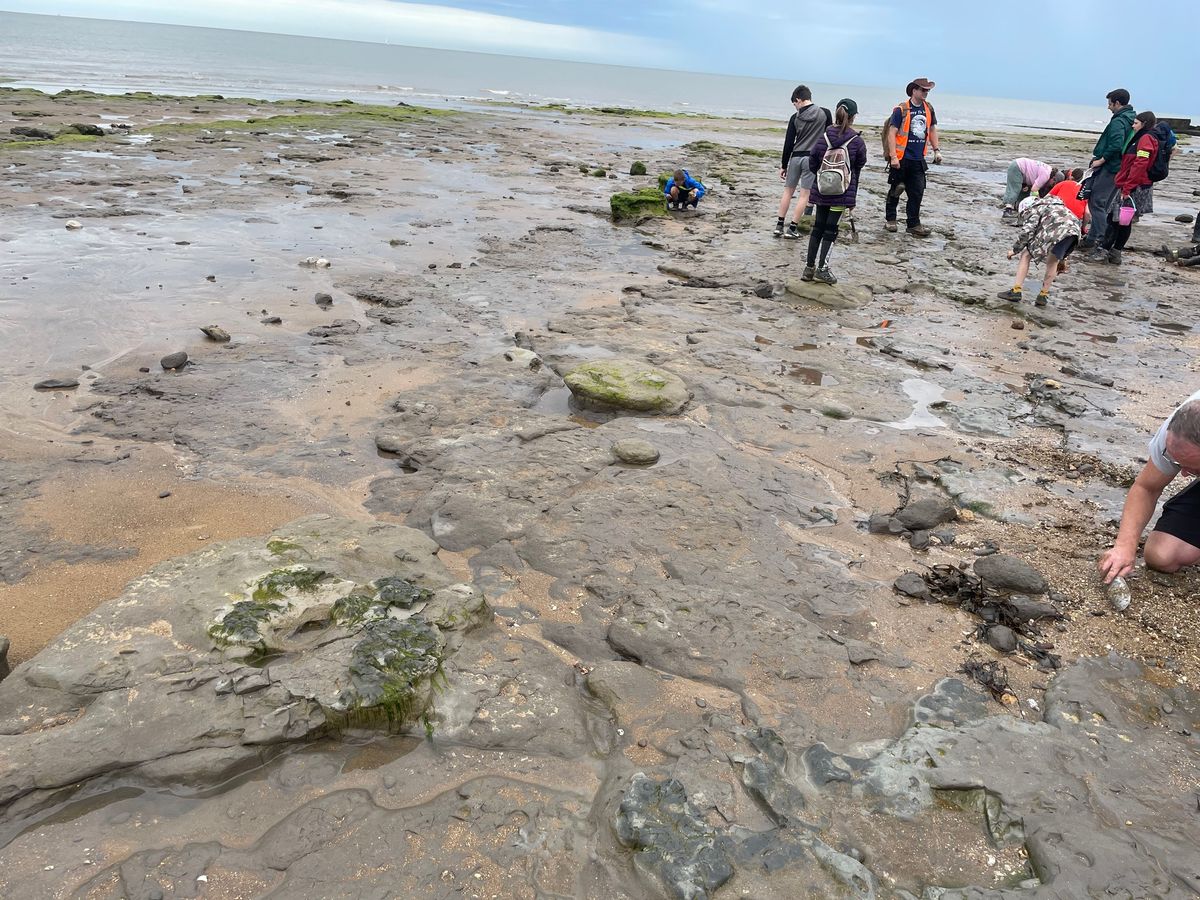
[{"x": 833, "y": 178}]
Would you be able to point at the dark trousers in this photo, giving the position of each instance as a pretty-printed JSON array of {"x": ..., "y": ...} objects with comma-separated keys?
[
  {"x": 824, "y": 233},
  {"x": 912, "y": 175},
  {"x": 1116, "y": 236}
]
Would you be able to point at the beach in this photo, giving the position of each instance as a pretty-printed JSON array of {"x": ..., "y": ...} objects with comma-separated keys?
[{"x": 405, "y": 289}]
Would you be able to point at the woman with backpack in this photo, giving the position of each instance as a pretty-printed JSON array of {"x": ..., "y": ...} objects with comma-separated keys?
[
  {"x": 1133, "y": 186},
  {"x": 837, "y": 158}
]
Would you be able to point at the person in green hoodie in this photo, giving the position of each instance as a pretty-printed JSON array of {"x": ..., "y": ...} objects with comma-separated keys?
[{"x": 1106, "y": 162}]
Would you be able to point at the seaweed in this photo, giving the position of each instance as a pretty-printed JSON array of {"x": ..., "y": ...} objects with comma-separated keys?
[{"x": 273, "y": 585}]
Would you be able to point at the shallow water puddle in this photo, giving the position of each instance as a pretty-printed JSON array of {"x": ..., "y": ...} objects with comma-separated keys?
[{"x": 923, "y": 394}]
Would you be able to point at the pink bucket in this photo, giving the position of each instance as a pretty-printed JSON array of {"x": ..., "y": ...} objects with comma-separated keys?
[{"x": 1126, "y": 214}]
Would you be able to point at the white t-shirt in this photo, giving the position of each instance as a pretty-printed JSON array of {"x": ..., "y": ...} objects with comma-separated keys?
[{"x": 1158, "y": 443}]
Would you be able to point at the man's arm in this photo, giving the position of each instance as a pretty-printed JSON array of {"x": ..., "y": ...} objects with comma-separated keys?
[
  {"x": 889, "y": 138},
  {"x": 1118, "y": 560}
]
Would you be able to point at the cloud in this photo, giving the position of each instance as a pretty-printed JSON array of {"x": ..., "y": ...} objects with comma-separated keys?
[{"x": 416, "y": 24}]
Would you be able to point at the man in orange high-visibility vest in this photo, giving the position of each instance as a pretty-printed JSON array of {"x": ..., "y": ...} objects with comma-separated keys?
[{"x": 909, "y": 132}]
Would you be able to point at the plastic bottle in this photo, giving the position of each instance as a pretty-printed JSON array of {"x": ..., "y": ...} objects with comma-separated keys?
[{"x": 1117, "y": 592}]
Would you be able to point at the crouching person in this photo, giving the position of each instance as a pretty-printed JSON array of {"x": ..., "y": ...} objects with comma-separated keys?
[
  {"x": 682, "y": 190},
  {"x": 1049, "y": 231}
]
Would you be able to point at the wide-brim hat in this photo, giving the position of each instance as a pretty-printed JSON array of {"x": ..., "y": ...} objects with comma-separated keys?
[{"x": 919, "y": 83}]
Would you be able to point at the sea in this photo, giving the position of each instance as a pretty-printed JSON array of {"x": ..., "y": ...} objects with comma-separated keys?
[{"x": 52, "y": 53}]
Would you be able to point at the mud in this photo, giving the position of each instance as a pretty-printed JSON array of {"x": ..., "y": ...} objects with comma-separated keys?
[{"x": 695, "y": 678}]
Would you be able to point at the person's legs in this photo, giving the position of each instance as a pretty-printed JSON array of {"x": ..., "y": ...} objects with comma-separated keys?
[
  {"x": 1013, "y": 294},
  {"x": 1051, "y": 272},
  {"x": 785, "y": 202},
  {"x": 892, "y": 204},
  {"x": 914, "y": 183},
  {"x": 1103, "y": 185},
  {"x": 1122, "y": 235},
  {"x": 829, "y": 232},
  {"x": 814, "y": 237},
  {"x": 1012, "y": 188},
  {"x": 789, "y": 186},
  {"x": 807, "y": 180},
  {"x": 1175, "y": 541}
]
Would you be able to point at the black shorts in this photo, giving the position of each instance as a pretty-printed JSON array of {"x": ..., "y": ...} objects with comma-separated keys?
[
  {"x": 1064, "y": 247},
  {"x": 1181, "y": 515}
]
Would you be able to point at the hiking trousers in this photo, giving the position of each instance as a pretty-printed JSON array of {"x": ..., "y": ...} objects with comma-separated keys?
[
  {"x": 1103, "y": 186},
  {"x": 912, "y": 174}
]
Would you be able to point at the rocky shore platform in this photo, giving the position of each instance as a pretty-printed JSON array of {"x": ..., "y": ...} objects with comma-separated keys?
[{"x": 380, "y": 518}]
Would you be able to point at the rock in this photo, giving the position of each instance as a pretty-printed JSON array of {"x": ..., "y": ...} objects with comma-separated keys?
[
  {"x": 4, "y": 668},
  {"x": 945, "y": 536},
  {"x": 323, "y": 299},
  {"x": 910, "y": 584},
  {"x": 927, "y": 513},
  {"x": 764, "y": 290},
  {"x": 356, "y": 636},
  {"x": 143, "y": 369},
  {"x": 1002, "y": 638},
  {"x": 83, "y": 128},
  {"x": 174, "y": 360},
  {"x": 636, "y": 452},
  {"x": 1008, "y": 573},
  {"x": 271, "y": 320},
  {"x": 634, "y": 205},
  {"x": 1185, "y": 218},
  {"x": 628, "y": 384},
  {"x": 1027, "y": 609},
  {"x": 336, "y": 328},
  {"x": 837, "y": 296},
  {"x": 880, "y": 523},
  {"x": 315, "y": 262},
  {"x": 638, "y": 168},
  {"x": 1018, "y": 325},
  {"x": 56, "y": 384},
  {"x": 525, "y": 358},
  {"x": 215, "y": 333},
  {"x": 919, "y": 540},
  {"x": 73, "y": 225},
  {"x": 38, "y": 134}
]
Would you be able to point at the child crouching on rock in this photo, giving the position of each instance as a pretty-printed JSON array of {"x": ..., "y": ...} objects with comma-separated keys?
[
  {"x": 682, "y": 190},
  {"x": 837, "y": 157},
  {"x": 1048, "y": 231}
]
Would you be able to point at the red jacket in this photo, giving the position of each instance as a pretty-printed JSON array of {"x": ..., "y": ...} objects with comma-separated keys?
[{"x": 1135, "y": 164}]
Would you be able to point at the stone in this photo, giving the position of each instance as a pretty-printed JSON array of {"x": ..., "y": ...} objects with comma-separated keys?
[
  {"x": 1002, "y": 638},
  {"x": 1008, "y": 573},
  {"x": 910, "y": 584},
  {"x": 919, "y": 540},
  {"x": 638, "y": 168},
  {"x": 764, "y": 290},
  {"x": 837, "y": 296},
  {"x": 629, "y": 206},
  {"x": 945, "y": 536},
  {"x": 73, "y": 225},
  {"x": 174, "y": 360},
  {"x": 336, "y": 328},
  {"x": 315, "y": 262},
  {"x": 271, "y": 320},
  {"x": 4, "y": 667},
  {"x": 56, "y": 384},
  {"x": 323, "y": 299},
  {"x": 926, "y": 513},
  {"x": 628, "y": 384},
  {"x": 83, "y": 128},
  {"x": 636, "y": 452},
  {"x": 216, "y": 333},
  {"x": 525, "y": 358},
  {"x": 880, "y": 523},
  {"x": 38, "y": 134},
  {"x": 1028, "y": 609},
  {"x": 1185, "y": 218}
]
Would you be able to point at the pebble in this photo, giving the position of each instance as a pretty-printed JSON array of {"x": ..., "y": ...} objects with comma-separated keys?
[
  {"x": 642, "y": 742},
  {"x": 701, "y": 702},
  {"x": 164, "y": 495},
  {"x": 315, "y": 262},
  {"x": 144, "y": 369},
  {"x": 636, "y": 452},
  {"x": 174, "y": 360},
  {"x": 1018, "y": 325},
  {"x": 271, "y": 320},
  {"x": 73, "y": 225}
]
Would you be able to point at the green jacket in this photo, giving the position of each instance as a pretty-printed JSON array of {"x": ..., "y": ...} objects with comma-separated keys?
[{"x": 1112, "y": 141}]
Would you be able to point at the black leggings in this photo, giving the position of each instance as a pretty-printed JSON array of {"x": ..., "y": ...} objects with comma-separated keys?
[
  {"x": 1117, "y": 236},
  {"x": 824, "y": 233}
]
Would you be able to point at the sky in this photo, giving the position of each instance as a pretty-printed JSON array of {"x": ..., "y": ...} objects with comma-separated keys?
[{"x": 1066, "y": 50}]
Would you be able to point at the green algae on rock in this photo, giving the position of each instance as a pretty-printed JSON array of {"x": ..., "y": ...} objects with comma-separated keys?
[
  {"x": 637, "y": 204},
  {"x": 638, "y": 168},
  {"x": 242, "y": 624},
  {"x": 276, "y": 584},
  {"x": 627, "y": 384},
  {"x": 392, "y": 671}
]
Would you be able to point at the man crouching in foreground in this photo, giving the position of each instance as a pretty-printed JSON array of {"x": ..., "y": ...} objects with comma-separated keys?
[{"x": 1175, "y": 541}]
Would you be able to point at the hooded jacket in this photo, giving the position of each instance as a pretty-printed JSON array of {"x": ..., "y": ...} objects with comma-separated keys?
[
  {"x": 856, "y": 148},
  {"x": 1044, "y": 222},
  {"x": 1112, "y": 140},
  {"x": 689, "y": 184},
  {"x": 1135, "y": 162},
  {"x": 804, "y": 127}
]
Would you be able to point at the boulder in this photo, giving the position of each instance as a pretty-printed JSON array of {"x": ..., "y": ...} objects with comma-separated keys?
[
  {"x": 1010, "y": 574},
  {"x": 215, "y": 333},
  {"x": 629, "y": 206},
  {"x": 836, "y": 296},
  {"x": 627, "y": 384},
  {"x": 636, "y": 452},
  {"x": 926, "y": 513},
  {"x": 638, "y": 168}
]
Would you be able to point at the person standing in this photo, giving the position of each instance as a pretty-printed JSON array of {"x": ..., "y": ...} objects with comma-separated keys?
[
  {"x": 1026, "y": 176},
  {"x": 837, "y": 158},
  {"x": 1132, "y": 186},
  {"x": 805, "y": 127},
  {"x": 909, "y": 132},
  {"x": 1106, "y": 162}
]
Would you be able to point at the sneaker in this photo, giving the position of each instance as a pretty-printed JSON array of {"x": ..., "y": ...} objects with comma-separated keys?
[
  {"x": 891, "y": 226},
  {"x": 824, "y": 276},
  {"x": 919, "y": 231},
  {"x": 1114, "y": 256},
  {"x": 778, "y": 228},
  {"x": 1098, "y": 254},
  {"x": 1009, "y": 213},
  {"x": 807, "y": 274},
  {"x": 1012, "y": 295},
  {"x": 793, "y": 231},
  {"x": 1041, "y": 298}
]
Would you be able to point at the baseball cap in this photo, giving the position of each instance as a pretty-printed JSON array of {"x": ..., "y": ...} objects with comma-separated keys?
[{"x": 850, "y": 106}]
